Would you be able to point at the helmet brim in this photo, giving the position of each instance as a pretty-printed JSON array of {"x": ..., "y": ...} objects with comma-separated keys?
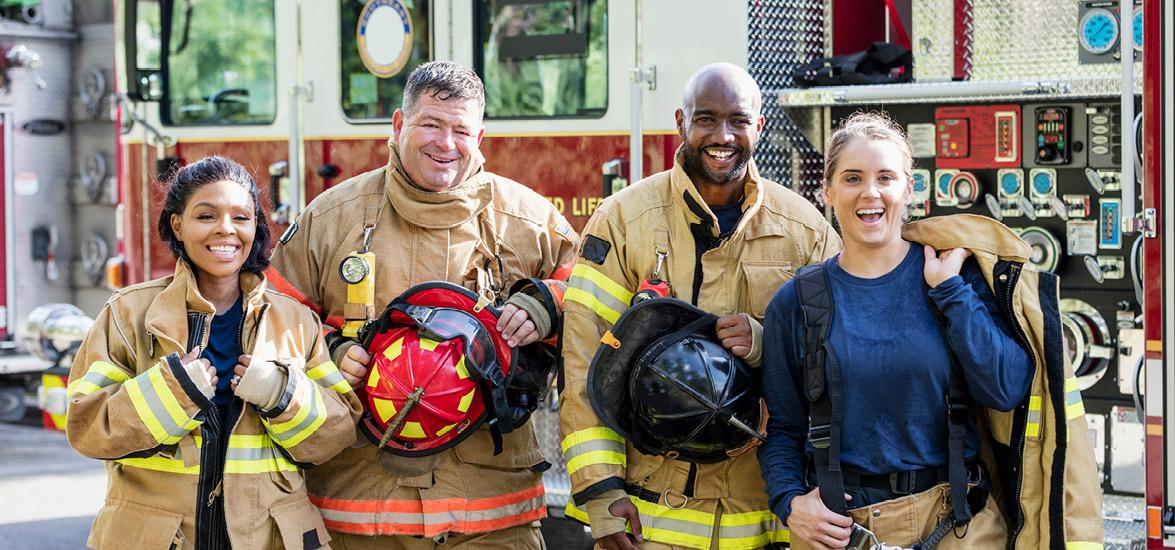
[{"x": 637, "y": 328}]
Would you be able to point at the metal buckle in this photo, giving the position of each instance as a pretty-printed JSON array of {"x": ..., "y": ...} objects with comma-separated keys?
[
  {"x": 820, "y": 435},
  {"x": 665, "y": 498},
  {"x": 895, "y": 482}
]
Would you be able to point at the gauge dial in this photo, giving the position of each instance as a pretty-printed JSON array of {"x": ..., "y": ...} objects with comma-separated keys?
[
  {"x": 1137, "y": 28},
  {"x": 1042, "y": 183},
  {"x": 1010, "y": 184},
  {"x": 944, "y": 183},
  {"x": 1099, "y": 31},
  {"x": 919, "y": 183}
]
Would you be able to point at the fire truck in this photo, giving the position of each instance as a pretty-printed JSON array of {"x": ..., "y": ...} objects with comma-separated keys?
[{"x": 1052, "y": 116}]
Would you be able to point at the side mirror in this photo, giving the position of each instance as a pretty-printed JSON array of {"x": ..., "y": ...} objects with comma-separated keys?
[{"x": 140, "y": 25}]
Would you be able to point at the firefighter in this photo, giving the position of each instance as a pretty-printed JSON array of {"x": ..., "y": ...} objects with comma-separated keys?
[
  {"x": 433, "y": 213},
  {"x": 206, "y": 392},
  {"x": 873, "y": 436},
  {"x": 713, "y": 233}
]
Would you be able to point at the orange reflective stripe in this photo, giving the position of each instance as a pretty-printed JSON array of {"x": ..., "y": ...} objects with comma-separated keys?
[{"x": 430, "y": 518}]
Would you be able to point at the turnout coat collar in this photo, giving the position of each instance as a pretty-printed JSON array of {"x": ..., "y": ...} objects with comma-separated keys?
[
  {"x": 166, "y": 320},
  {"x": 697, "y": 211},
  {"x": 437, "y": 210}
]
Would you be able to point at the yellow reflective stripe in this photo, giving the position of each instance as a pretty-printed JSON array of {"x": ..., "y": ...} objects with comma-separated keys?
[
  {"x": 597, "y": 292},
  {"x": 1081, "y": 545},
  {"x": 328, "y": 375},
  {"x": 1074, "y": 406},
  {"x": 1032, "y": 428},
  {"x": 689, "y": 528},
  {"x": 159, "y": 410},
  {"x": 171, "y": 404},
  {"x": 614, "y": 288},
  {"x": 98, "y": 376},
  {"x": 748, "y": 530},
  {"x": 161, "y": 464},
  {"x": 589, "y": 434},
  {"x": 583, "y": 297},
  {"x": 309, "y": 417},
  {"x": 592, "y": 458},
  {"x": 268, "y": 459}
]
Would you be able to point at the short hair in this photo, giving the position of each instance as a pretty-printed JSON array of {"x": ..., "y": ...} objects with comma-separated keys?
[
  {"x": 207, "y": 170},
  {"x": 875, "y": 126},
  {"x": 444, "y": 80}
]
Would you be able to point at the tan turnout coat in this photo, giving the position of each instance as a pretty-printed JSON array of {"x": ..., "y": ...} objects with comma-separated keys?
[{"x": 133, "y": 407}]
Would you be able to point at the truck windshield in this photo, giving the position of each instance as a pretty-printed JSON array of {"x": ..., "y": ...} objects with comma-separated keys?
[{"x": 221, "y": 63}]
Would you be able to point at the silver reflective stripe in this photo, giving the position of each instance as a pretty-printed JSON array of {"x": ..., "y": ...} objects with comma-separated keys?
[{"x": 593, "y": 445}]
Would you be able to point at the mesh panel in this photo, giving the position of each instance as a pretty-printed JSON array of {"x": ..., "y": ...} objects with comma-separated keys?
[{"x": 781, "y": 35}]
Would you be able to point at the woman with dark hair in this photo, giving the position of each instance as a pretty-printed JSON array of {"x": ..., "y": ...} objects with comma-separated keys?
[{"x": 205, "y": 391}]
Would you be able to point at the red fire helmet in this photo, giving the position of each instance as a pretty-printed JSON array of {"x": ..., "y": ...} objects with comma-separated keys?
[{"x": 436, "y": 361}]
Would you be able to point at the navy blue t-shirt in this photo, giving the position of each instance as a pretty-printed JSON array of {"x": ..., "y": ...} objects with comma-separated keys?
[
  {"x": 728, "y": 216},
  {"x": 224, "y": 347},
  {"x": 895, "y": 361}
]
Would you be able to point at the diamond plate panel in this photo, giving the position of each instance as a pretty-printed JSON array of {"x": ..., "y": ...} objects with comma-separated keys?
[
  {"x": 1011, "y": 40},
  {"x": 783, "y": 34}
]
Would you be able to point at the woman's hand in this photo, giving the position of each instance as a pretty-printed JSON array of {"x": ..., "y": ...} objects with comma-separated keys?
[
  {"x": 940, "y": 267},
  {"x": 239, "y": 371},
  {"x": 815, "y": 524}
]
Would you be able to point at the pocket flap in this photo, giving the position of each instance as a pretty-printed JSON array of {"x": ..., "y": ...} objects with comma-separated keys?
[
  {"x": 520, "y": 449},
  {"x": 762, "y": 280},
  {"x": 300, "y": 525},
  {"x": 122, "y": 524}
]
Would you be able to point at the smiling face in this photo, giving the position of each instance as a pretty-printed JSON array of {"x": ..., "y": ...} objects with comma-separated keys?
[
  {"x": 438, "y": 141},
  {"x": 869, "y": 191},
  {"x": 217, "y": 226},
  {"x": 719, "y": 122}
]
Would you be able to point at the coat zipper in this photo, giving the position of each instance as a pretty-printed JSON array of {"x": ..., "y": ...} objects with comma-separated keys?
[{"x": 1009, "y": 289}]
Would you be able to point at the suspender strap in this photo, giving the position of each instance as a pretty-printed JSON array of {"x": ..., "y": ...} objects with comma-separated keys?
[
  {"x": 958, "y": 411},
  {"x": 822, "y": 384}
]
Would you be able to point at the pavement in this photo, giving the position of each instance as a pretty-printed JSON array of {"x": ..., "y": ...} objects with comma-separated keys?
[{"x": 49, "y": 493}]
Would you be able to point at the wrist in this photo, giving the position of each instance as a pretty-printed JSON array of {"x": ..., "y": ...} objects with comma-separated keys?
[{"x": 600, "y": 518}]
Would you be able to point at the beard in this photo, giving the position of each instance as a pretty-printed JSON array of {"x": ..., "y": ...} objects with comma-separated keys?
[{"x": 694, "y": 164}]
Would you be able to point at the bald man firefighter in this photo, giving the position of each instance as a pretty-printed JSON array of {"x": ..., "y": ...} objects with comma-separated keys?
[
  {"x": 470, "y": 262},
  {"x": 708, "y": 242}
]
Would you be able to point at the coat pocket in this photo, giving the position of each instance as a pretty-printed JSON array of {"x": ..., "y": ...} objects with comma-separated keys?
[
  {"x": 123, "y": 524},
  {"x": 760, "y": 282},
  {"x": 520, "y": 449},
  {"x": 300, "y": 525}
]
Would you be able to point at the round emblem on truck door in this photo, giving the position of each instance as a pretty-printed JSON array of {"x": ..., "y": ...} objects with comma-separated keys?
[{"x": 384, "y": 37}]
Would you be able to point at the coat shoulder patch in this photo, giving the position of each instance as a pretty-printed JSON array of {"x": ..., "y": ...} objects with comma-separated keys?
[{"x": 595, "y": 249}]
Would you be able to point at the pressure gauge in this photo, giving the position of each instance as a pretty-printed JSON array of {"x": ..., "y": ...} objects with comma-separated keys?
[
  {"x": 1099, "y": 31},
  {"x": 353, "y": 269},
  {"x": 919, "y": 183},
  {"x": 1010, "y": 183},
  {"x": 1137, "y": 28},
  {"x": 1042, "y": 182}
]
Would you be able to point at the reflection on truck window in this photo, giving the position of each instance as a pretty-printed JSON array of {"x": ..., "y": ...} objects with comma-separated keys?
[
  {"x": 221, "y": 63},
  {"x": 382, "y": 42},
  {"x": 543, "y": 58}
]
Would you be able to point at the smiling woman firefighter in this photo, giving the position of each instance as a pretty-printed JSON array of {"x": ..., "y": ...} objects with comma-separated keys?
[
  {"x": 206, "y": 392},
  {"x": 882, "y": 363}
]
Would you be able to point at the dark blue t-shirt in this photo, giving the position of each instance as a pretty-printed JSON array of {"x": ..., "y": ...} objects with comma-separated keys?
[
  {"x": 224, "y": 347},
  {"x": 896, "y": 365},
  {"x": 728, "y": 216}
]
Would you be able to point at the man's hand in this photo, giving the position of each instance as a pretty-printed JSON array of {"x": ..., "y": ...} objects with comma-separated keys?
[
  {"x": 354, "y": 365},
  {"x": 735, "y": 333},
  {"x": 940, "y": 267},
  {"x": 516, "y": 327},
  {"x": 623, "y": 508},
  {"x": 812, "y": 522}
]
